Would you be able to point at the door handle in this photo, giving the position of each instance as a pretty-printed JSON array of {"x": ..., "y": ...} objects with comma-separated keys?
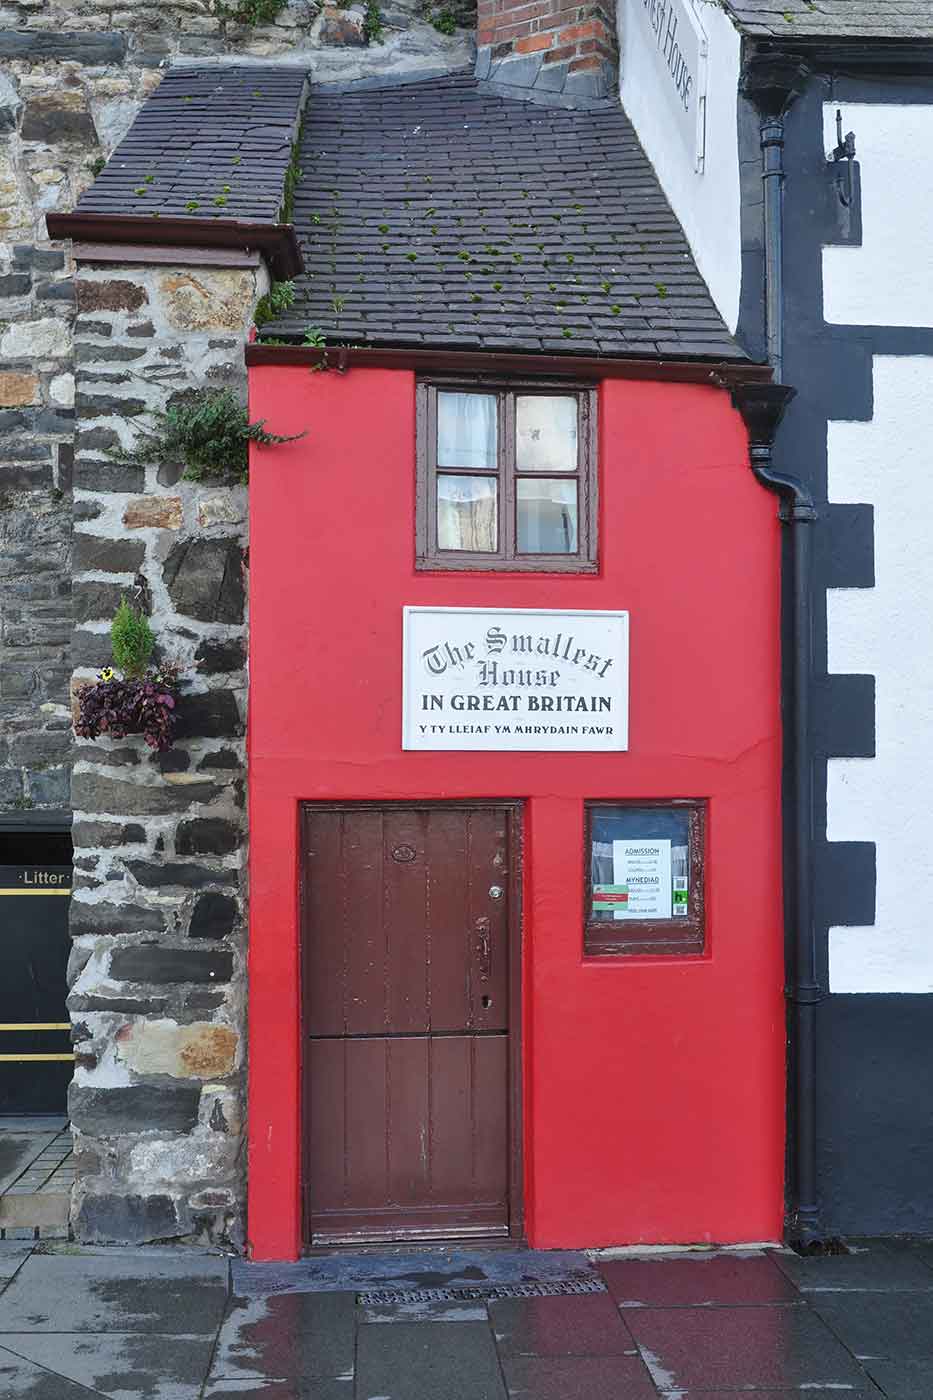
[{"x": 483, "y": 948}]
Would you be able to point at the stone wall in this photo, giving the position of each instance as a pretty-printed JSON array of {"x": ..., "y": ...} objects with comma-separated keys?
[
  {"x": 158, "y": 966},
  {"x": 72, "y": 78}
]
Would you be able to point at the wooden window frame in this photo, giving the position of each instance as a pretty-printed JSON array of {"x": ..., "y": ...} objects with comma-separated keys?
[
  {"x": 506, "y": 559},
  {"x": 631, "y": 937}
]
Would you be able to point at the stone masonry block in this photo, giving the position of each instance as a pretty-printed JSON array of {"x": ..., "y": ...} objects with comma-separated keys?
[
  {"x": 95, "y": 601},
  {"x": 107, "y": 556},
  {"x": 210, "y": 300},
  {"x": 205, "y": 581},
  {"x": 214, "y": 916},
  {"x": 17, "y": 390},
  {"x": 113, "y": 295},
  {"x": 154, "y": 963},
  {"x": 106, "y": 1218},
  {"x": 154, "y": 513},
  {"x": 217, "y": 657},
  {"x": 104, "y": 918},
  {"x": 198, "y": 1051},
  {"x": 93, "y": 792},
  {"x": 212, "y": 715},
  {"x": 154, "y": 875},
  {"x": 135, "y": 1108},
  {"x": 207, "y": 836}
]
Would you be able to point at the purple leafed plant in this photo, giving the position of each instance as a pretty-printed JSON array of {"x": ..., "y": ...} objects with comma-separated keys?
[{"x": 146, "y": 705}]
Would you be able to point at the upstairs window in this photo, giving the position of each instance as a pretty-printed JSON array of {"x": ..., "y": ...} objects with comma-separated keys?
[{"x": 506, "y": 477}]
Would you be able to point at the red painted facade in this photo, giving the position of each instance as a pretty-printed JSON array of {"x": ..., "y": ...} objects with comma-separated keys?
[{"x": 653, "y": 1093}]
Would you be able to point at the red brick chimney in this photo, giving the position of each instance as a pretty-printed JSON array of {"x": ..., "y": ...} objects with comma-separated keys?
[{"x": 549, "y": 45}]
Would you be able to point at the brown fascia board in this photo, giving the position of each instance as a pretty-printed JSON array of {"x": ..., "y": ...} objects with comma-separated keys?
[
  {"x": 722, "y": 373},
  {"x": 277, "y": 242}
]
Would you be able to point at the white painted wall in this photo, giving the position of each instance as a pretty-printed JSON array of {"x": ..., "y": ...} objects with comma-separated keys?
[
  {"x": 707, "y": 203},
  {"x": 887, "y": 631},
  {"x": 889, "y": 280}
]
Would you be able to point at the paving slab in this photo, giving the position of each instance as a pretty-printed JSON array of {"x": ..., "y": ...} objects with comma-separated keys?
[
  {"x": 446, "y": 1361},
  {"x": 121, "y": 1366},
  {"x": 710, "y": 1348},
  {"x": 588, "y": 1325},
  {"x": 693, "y": 1280},
  {"x": 873, "y": 1265},
  {"x": 17, "y": 1152},
  {"x": 279, "y": 1390},
  {"x": 903, "y": 1380},
  {"x": 287, "y": 1336},
  {"x": 896, "y": 1325},
  {"x": 23, "y": 1380},
  {"x": 412, "y": 1269},
  {"x": 577, "y": 1378},
  {"x": 119, "y": 1291},
  {"x": 13, "y": 1254}
]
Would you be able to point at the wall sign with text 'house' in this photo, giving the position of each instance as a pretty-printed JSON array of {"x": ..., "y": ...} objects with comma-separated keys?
[
  {"x": 668, "y": 36},
  {"x": 515, "y": 679}
]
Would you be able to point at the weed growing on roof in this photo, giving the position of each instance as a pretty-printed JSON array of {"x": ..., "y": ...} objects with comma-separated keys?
[
  {"x": 236, "y": 160},
  {"x": 373, "y": 31},
  {"x": 444, "y": 23},
  {"x": 615, "y": 309},
  {"x": 220, "y": 200},
  {"x": 337, "y": 303},
  {"x": 97, "y": 165},
  {"x": 292, "y": 176},
  {"x": 276, "y": 301},
  {"x": 661, "y": 290},
  {"x": 141, "y": 189},
  {"x": 383, "y": 228},
  {"x": 210, "y": 432},
  {"x": 192, "y": 205}
]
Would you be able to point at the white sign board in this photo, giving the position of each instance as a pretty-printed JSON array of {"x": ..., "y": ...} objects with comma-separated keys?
[
  {"x": 643, "y": 870},
  {"x": 515, "y": 679},
  {"x": 669, "y": 33}
]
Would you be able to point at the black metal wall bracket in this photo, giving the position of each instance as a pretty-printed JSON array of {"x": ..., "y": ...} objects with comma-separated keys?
[{"x": 843, "y": 220}]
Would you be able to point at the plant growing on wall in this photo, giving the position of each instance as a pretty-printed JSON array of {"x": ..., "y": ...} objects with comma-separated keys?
[
  {"x": 144, "y": 700},
  {"x": 210, "y": 432},
  {"x": 250, "y": 11}
]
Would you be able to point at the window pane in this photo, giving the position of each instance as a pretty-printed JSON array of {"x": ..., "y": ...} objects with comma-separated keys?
[
  {"x": 466, "y": 430},
  {"x": 640, "y": 863},
  {"x": 546, "y": 433},
  {"x": 467, "y": 512},
  {"x": 547, "y": 516}
]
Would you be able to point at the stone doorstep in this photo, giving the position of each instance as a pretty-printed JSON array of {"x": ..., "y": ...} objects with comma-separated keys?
[{"x": 34, "y": 1210}]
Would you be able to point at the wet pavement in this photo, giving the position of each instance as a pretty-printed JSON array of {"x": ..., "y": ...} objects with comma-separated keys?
[{"x": 174, "y": 1324}]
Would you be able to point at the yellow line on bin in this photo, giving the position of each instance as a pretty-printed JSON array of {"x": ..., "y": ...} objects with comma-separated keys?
[
  {"x": 50, "y": 891},
  {"x": 19, "y": 1058},
  {"x": 35, "y": 1025}
]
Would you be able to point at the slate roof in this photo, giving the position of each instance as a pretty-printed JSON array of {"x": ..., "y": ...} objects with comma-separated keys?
[
  {"x": 442, "y": 214},
  {"x": 844, "y": 19},
  {"x": 213, "y": 141}
]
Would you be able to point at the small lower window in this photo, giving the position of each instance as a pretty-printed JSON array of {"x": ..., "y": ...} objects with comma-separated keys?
[{"x": 644, "y": 890}]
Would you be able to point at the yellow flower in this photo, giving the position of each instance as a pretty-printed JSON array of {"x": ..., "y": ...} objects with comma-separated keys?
[{"x": 106, "y": 674}]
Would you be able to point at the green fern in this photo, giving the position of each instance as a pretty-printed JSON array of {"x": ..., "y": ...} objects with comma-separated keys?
[{"x": 210, "y": 432}]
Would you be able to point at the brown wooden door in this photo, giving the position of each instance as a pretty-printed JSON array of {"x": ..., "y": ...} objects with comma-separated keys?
[{"x": 408, "y": 1113}]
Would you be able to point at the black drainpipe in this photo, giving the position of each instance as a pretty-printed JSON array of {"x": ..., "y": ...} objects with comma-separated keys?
[{"x": 772, "y": 85}]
